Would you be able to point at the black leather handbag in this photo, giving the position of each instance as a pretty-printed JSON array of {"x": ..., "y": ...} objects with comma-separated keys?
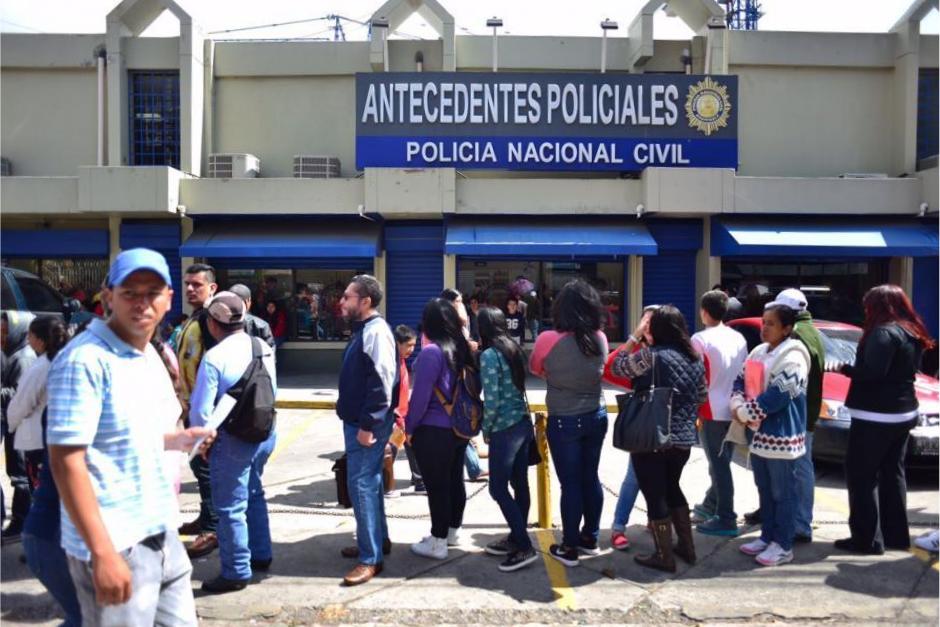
[{"x": 644, "y": 418}]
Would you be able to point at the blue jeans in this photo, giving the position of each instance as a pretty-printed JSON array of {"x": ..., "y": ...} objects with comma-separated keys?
[
  {"x": 509, "y": 465},
  {"x": 238, "y": 499},
  {"x": 161, "y": 592},
  {"x": 777, "y": 487},
  {"x": 575, "y": 443},
  {"x": 719, "y": 469},
  {"x": 47, "y": 561},
  {"x": 472, "y": 463},
  {"x": 806, "y": 489},
  {"x": 629, "y": 490},
  {"x": 364, "y": 480}
]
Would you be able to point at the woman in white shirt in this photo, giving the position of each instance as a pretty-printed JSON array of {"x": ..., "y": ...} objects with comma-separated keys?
[{"x": 47, "y": 335}]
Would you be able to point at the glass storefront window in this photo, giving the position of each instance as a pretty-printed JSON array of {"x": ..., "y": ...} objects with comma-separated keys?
[
  {"x": 303, "y": 304},
  {"x": 493, "y": 281},
  {"x": 833, "y": 289}
]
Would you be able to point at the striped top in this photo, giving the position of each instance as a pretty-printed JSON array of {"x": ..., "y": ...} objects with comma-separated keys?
[
  {"x": 503, "y": 403},
  {"x": 117, "y": 402}
]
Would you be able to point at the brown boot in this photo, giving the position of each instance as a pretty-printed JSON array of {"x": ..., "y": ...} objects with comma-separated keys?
[
  {"x": 205, "y": 543},
  {"x": 361, "y": 574},
  {"x": 661, "y": 558},
  {"x": 685, "y": 547}
]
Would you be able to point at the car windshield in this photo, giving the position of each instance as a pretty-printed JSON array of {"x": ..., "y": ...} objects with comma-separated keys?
[{"x": 840, "y": 346}]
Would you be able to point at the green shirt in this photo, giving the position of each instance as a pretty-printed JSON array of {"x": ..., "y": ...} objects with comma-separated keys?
[
  {"x": 503, "y": 403},
  {"x": 805, "y": 332}
]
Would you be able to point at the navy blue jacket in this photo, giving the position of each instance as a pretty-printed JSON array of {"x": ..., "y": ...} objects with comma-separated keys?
[{"x": 368, "y": 379}]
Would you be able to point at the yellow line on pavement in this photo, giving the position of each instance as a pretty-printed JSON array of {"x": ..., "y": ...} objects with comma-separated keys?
[
  {"x": 925, "y": 557},
  {"x": 564, "y": 595},
  {"x": 292, "y": 436},
  {"x": 832, "y": 502}
]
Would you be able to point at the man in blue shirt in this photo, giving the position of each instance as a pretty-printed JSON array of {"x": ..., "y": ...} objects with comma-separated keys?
[
  {"x": 235, "y": 466},
  {"x": 112, "y": 411}
]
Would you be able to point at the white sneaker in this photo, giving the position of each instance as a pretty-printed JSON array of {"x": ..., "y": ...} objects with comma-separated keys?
[
  {"x": 754, "y": 547},
  {"x": 452, "y": 538},
  {"x": 930, "y": 541},
  {"x": 774, "y": 555},
  {"x": 434, "y": 548}
]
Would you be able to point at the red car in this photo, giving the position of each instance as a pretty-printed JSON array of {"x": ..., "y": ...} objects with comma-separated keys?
[{"x": 832, "y": 430}]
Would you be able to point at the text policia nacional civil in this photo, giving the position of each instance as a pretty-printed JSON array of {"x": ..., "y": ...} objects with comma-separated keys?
[{"x": 521, "y": 103}]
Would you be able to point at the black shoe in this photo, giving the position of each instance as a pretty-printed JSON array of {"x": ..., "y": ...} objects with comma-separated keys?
[
  {"x": 420, "y": 489},
  {"x": 261, "y": 565},
  {"x": 500, "y": 547},
  {"x": 11, "y": 535},
  {"x": 802, "y": 539},
  {"x": 220, "y": 585},
  {"x": 564, "y": 554},
  {"x": 518, "y": 559},
  {"x": 588, "y": 546},
  {"x": 849, "y": 544},
  {"x": 753, "y": 518}
]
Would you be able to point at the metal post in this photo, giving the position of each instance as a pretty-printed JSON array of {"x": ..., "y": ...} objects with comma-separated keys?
[
  {"x": 494, "y": 23},
  {"x": 543, "y": 476},
  {"x": 604, "y": 51}
]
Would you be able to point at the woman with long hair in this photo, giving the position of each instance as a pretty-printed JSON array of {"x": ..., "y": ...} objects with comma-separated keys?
[
  {"x": 670, "y": 361},
  {"x": 571, "y": 360},
  {"x": 776, "y": 413},
  {"x": 508, "y": 430},
  {"x": 884, "y": 409},
  {"x": 439, "y": 450},
  {"x": 41, "y": 531}
]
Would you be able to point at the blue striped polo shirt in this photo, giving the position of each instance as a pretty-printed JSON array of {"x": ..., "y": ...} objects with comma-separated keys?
[{"x": 117, "y": 402}]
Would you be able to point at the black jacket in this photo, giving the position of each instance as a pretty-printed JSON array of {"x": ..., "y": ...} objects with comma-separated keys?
[
  {"x": 883, "y": 375},
  {"x": 369, "y": 377},
  {"x": 256, "y": 327}
]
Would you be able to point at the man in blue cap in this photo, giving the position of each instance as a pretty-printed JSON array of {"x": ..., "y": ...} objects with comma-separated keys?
[{"x": 112, "y": 411}]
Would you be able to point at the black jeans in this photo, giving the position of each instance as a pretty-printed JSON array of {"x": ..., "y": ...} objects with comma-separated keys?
[
  {"x": 874, "y": 473},
  {"x": 440, "y": 456},
  {"x": 19, "y": 479},
  {"x": 208, "y": 519},
  {"x": 658, "y": 475}
]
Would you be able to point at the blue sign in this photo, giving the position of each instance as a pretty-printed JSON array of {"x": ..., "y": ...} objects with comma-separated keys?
[{"x": 515, "y": 121}]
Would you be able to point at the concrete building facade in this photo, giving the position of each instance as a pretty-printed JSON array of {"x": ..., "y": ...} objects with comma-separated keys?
[{"x": 109, "y": 140}]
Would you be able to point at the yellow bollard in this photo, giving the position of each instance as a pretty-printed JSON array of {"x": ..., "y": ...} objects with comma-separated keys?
[{"x": 542, "y": 472}]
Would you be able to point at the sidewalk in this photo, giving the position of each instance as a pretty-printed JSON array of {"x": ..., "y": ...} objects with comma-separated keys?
[{"x": 723, "y": 587}]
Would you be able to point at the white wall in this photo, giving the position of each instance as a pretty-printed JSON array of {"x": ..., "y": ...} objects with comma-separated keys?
[
  {"x": 276, "y": 118},
  {"x": 49, "y": 120},
  {"x": 814, "y": 121}
]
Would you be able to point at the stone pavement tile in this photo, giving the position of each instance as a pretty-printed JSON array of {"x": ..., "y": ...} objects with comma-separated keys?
[{"x": 819, "y": 583}]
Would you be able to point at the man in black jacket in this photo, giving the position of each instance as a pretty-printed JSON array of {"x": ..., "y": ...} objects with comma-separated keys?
[
  {"x": 368, "y": 394},
  {"x": 254, "y": 326}
]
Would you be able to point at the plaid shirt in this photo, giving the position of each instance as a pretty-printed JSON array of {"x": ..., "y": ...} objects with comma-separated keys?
[{"x": 116, "y": 402}]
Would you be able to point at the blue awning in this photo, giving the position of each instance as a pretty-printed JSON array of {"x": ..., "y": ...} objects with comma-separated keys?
[
  {"x": 526, "y": 237},
  {"x": 54, "y": 243},
  {"x": 737, "y": 237},
  {"x": 283, "y": 241}
]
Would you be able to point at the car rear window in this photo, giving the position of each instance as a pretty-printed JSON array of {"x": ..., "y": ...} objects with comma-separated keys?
[
  {"x": 39, "y": 296},
  {"x": 7, "y": 300}
]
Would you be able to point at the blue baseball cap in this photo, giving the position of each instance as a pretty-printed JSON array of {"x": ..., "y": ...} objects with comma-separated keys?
[{"x": 130, "y": 261}]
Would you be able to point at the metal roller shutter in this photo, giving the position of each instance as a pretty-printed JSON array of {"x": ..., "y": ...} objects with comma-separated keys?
[
  {"x": 414, "y": 270},
  {"x": 162, "y": 236},
  {"x": 669, "y": 277},
  {"x": 925, "y": 292}
]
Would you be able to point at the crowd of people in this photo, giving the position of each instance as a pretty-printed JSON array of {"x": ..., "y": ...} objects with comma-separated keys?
[{"x": 95, "y": 427}]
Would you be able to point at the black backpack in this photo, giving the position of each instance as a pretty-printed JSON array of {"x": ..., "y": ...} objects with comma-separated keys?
[{"x": 253, "y": 417}]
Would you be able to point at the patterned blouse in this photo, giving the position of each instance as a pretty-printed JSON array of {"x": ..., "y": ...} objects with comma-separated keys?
[
  {"x": 503, "y": 403},
  {"x": 675, "y": 370}
]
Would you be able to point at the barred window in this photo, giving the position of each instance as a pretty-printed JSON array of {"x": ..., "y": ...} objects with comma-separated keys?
[
  {"x": 927, "y": 113},
  {"x": 154, "y": 105}
]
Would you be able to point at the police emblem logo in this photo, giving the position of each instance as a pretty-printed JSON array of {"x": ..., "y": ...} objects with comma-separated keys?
[{"x": 707, "y": 106}]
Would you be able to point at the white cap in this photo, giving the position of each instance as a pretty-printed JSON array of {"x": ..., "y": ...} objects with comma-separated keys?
[{"x": 790, "y": 297}]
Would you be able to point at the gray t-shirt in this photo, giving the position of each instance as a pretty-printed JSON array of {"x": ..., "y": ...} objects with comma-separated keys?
[{"x": 574, "y": 379}]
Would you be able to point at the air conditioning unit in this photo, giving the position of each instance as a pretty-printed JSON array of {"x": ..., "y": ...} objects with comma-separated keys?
[
  {"x": 234, "y": 166},
  {"x": 6, "y": 168},
  {"x": 316, "y": 167}
]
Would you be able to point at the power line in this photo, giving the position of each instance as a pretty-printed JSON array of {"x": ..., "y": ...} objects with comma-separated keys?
[
  {"x": 275, "y": 25},
  {"x": 35, "y": 30}
]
